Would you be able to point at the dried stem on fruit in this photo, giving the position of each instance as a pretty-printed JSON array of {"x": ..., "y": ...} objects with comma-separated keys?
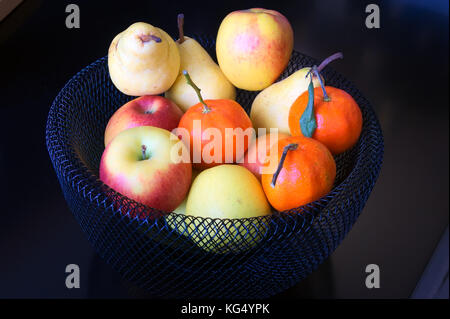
[
  {"x": 287, "y": 148},
  {"x": 180, "y": 20}
]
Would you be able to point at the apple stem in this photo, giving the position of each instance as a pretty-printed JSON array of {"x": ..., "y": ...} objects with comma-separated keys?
[
  {"x": 148, "y": 37},
  {"x": 180, "y": 20},
  {"x": 189, "y": 81},
  {"x": 144, "y": 149},
  {"x": 289, "y": 147},
  {"x": 331, "y": 58}
]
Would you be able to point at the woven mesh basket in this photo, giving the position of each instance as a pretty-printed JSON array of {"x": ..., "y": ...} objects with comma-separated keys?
[{"x": 180, "y": 256}]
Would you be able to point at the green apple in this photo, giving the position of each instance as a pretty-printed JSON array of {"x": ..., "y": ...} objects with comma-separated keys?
[{"x": 227, "y": 196}]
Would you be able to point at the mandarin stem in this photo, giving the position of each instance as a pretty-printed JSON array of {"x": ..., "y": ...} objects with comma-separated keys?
[
  {"x": 315, "y": 70},
  {"x": 289, "y": 147},
  {"x": 189, "y": 81}
]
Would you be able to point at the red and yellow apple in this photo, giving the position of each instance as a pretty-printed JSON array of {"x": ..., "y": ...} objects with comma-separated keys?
[
  {"x": 256, "y": 157},
  {"x": 148, "y": 110},
  {"x": 140, "y": 164},
  {"x": 253, "y": 47}
]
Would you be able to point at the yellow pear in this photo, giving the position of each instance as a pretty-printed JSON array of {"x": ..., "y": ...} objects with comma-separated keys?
[
  {"x": 205, "y": 73},
  {"x": 228, "y": 192},
  {"x": 270, "y": 108},
  {"x": 143, "y": 60}
]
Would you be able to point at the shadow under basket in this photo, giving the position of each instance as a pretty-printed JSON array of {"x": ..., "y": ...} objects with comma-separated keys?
[{"x": 177, "y": 256}]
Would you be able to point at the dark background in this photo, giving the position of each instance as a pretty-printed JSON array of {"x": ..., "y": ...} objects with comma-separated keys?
[{"x": 402, "y": 68}]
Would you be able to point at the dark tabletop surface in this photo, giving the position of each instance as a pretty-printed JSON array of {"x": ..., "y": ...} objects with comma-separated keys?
[{"x": 402, "y": 68}]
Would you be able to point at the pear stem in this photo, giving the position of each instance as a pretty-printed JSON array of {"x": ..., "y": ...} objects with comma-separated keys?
[
  {"x": 206, "y": 108},
  {"x": 180, "y": 20},
  {"x": 144, "y": 149},
  {"x": 289, "y": 147},
  {"x": 331, "y": 58}
]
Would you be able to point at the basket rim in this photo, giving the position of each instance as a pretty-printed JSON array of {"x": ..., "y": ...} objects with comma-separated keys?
[{"x": 92, "y": 184}]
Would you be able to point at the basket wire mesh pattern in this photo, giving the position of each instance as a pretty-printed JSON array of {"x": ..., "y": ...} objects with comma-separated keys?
[{"x": 177, "y": 256}]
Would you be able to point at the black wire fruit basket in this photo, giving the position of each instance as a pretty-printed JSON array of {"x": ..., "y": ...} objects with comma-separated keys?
[{"x": 176, "y": 256}]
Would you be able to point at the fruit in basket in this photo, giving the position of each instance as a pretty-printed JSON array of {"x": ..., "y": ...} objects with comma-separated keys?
[
  {"x": 148, "y": 110},
  {"x": 258, "y": 151},
  {"x": 337, "y": 115},
  {"x": 138, "y": 164},
  {"x": 227, "y": 192},
  {"x": 181, "y": 209},
  {"x": 270, "y": 108},
  {"x": 143, "y": 60},
  {"x": 177, "y": 222},
  {"x": 203, "y": 71},
  {"x": 217, "y": 131},
  {"x": 253, "y": 47},
  {"x": 306, "y": 172}
]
